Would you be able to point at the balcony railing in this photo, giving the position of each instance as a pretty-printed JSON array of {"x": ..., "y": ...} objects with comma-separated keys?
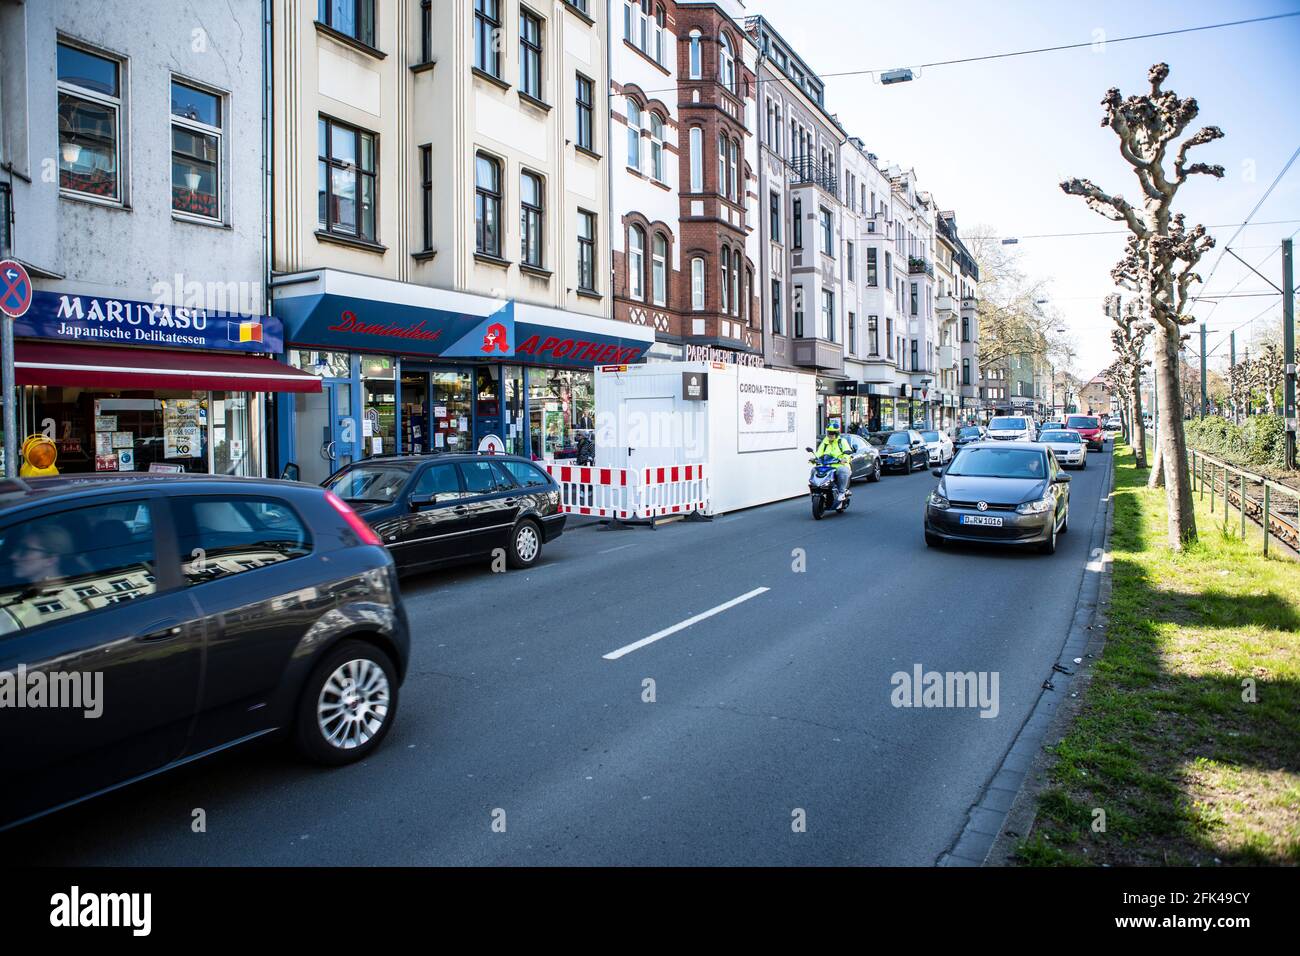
[
  {"x": 919, "y": 265},
  {"x": 945, "y": 304},
  {"x": 807, "y": 170}
]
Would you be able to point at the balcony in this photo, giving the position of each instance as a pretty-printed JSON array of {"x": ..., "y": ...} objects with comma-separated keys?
[
  {"x": 969, "y": 303},
  {"x": 946, "y": 307},
  {"x": 807, "y": 171},
  {"x": 876, "y": 225},
  {"x": 919, "y": 265},
  {"x": 947, "y": 357}
]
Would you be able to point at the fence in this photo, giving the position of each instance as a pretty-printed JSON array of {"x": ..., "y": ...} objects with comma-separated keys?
[
  {"x": 1227, "y": 481},
  {"x": 632, "y": 494}
]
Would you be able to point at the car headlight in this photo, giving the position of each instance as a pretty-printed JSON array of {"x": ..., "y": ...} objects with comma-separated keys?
[
  {"x": 1041, "y": 506},
  {"x": 938, "y": 501}
]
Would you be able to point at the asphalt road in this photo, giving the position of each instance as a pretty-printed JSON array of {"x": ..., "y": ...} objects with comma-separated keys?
[{"x": 774, "y": 710}]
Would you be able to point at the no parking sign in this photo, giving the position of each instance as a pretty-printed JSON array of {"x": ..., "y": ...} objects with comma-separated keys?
[{"x": 15, "y": 289}]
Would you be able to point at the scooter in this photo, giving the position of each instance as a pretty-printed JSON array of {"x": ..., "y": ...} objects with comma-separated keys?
[{"x": 821, "y": 485}]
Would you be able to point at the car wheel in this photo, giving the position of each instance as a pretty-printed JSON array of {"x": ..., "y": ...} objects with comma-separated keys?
[
  {"x": 525, "y": 545},
  {"x": 933, "y": 540},
  {"x": 875, "y": 472},
  {"x": 1083, "y": 464},
  {"x": 1049, "y": 546},
  {"x": 1065, "y": 522},
  {"x": 348, "y": 704}
]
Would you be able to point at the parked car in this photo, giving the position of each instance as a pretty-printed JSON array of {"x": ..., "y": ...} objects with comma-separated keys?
[
  {"x": 1012, "y": 428},
  {"x": 903, "y": 450},
  {"x": 970, "y": 433},
  {"x": 187, "y": 614},
  {"x": 865, "y": 460},
  {"x": 1113, "y": 428},
  {"x": 1000, "y": 493},
  {"x": 939, "y": 446},
  {"x": 1068, "y": 446},
  {"x": 1050, "y": 426},
  {"x": 1089, "y": 428},
  {"x": 437, "y": 509}
]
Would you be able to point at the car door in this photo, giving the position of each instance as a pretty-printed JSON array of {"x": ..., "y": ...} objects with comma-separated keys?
[
  {"x": 93, "y": 617},
  {"x": 861, "y": 458},
  {"x": 920, "y": 453},
  {"x": 493, "y": 501},
  {"x": 437, "y": 524},
  {"x": 246, "y": 559}
]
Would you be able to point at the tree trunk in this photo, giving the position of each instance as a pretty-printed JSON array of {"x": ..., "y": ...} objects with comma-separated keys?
[
  {"x": 1139, "y": 441},
  {"x": 1173, "y": 441}
]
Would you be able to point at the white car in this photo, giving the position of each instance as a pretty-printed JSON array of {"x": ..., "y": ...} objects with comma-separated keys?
[
  {"x": 1069, "y": 447},
  {"x": 1012, "y": 428},
  {"x": 939, "y": 446}
]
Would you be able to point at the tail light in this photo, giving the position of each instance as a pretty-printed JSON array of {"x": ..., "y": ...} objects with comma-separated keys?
[{"x": 354, "y": 520}]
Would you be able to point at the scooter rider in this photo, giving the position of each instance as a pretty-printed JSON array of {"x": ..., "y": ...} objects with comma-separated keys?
[{"x": 836, "y": 447}]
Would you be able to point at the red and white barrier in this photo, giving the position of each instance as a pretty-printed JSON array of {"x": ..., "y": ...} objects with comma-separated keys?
[{"x": 631, "y": 494}]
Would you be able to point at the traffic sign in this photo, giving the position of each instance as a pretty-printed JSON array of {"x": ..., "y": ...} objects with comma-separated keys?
[{"x": 15, "y": 289}]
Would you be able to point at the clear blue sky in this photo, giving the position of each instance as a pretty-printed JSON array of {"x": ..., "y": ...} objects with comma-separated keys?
[{"x": 992, "y": 140}]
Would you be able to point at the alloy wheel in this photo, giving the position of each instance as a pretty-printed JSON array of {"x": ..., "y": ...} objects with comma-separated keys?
[{"x": 353, "y": 704}]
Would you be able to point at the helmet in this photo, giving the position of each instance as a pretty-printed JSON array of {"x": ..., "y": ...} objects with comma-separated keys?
[{"x": 833, "y": 425}]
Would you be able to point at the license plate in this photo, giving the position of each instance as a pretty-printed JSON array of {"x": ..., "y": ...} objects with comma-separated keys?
[{"x": 988, "y": 520}]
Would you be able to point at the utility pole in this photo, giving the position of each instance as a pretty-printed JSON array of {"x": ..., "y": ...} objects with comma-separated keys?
[
  {"x": 1288, "y": 348},
  {"x": 1232, "y": 363},
  {"x": 1205, "y": 401}
]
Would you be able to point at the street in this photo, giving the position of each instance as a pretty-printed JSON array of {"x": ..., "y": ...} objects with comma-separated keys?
[{"x": 771, "y": 716}]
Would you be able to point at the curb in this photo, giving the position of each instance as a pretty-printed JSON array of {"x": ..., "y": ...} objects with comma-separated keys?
[{"x": 1008, "y": 803}]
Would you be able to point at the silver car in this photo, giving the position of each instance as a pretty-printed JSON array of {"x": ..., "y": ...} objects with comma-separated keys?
[{"x": 1068, "y": 446}]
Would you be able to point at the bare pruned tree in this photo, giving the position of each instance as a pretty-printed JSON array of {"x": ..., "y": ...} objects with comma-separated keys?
[
  {"x": 1129, "y": 341},
  {"x": 1161, "y": 254}
]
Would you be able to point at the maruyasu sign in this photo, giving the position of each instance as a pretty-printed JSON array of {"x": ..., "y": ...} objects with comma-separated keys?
[{"x": 96, "y": 319}]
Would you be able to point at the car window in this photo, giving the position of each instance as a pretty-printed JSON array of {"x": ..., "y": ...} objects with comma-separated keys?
[
  {"x": 970, "y": 433},
  {"x": 998, "y": 424},
  {"x": 528, "y": 476},
  {"x": 930, "y": 436},
  {"x": 369, "y": 483},
  {"x": 440, "y": 480},
  {"x": 1063, "y": 436},
  {"x": 1081, "y": 421},
  {"x": 59, "y": 566},
  {"x": 481, "y": 478},
  {"x": 984, "y": 461},
  {"x": 221, "y": 536}
]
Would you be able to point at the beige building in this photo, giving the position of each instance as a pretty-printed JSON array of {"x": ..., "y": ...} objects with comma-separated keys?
[{"x": 440, "y": 251}]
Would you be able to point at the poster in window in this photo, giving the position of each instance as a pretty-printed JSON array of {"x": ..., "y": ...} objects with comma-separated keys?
[
  {"x": 123, "y": 439},
  {"x": 103, "y": 443},
  {"x": 181, "y": 424},
  {"x": 106, "y": 462},
  {"x": 767, "y": 414},
  {"x": 105, "y": 423}
]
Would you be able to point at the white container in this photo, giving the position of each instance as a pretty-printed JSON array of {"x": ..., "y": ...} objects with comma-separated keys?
[{"x": 751, "y": 431}]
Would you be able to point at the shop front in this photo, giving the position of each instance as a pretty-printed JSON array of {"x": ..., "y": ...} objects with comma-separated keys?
[
  {"x": 413, "y": 370},
  {"x": 122, "y": 385}
]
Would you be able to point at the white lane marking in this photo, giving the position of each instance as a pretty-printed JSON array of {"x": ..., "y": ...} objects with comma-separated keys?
[
  {"x": 660, "y": 635},
  {"x": 619, "y": 548}
]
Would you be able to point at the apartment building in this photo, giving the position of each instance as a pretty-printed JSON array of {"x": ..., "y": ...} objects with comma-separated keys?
[
  {"x": 133, "y": 195},
  {"x": 956, "y": 276},
  {"x": 441, "y": 255}
]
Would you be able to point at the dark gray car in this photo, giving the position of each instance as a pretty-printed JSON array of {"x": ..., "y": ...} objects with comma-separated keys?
[
  {"x": 175, "y": 616},
  {"x": 1000, "y": 492}
]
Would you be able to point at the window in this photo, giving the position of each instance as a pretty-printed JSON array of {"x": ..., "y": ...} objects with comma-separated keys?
[
  {"x": 530, "y": 54},
  {"x": 531, "y": 202},
  {"x": 797, "y": 224},
  {"x": 849, "y": 264},
  {"x": 487, "y": 205},
  {"x": 346, "y": 180},
  {"x": 697, "y": 285},
  {"x": 586, "y": 251},
  {"x": 426, "y": 197},
  {"x": 426, "y": 31},
  {"x": 734, "y": 163},
  {"x": 916, "y": 362},
  {"x": 90, "y": 107},
  {"x": 914, "y": 299},
  {"x": 584, "y": 101},
  {"x": 726, "y": 278},
  {"x": 697, "y": 160},
  {"x": 748, "y": 296},
  {"x": 636, "y": 263},
  {"x": 722, "y": 165},
  {"x": 828, "y": 315},
  {"x": 481, "y": 478},
  {"x": 354, "y": 18},
  {"x": 774, "y": 216},
  {"x": 633, "y": 135},
  {"x": 889, "y": 270},
  {"x": 873, "y": 335},
  {"x": 695, "y": 57},
  {"x": 873, "y": 275},
  {"x": 735, "y": 282},
  {"x": 196, "y": 151},
  {"x": 659, "y": 35},
  {"x": 222, "y": 536},
  {"x": 889, "y": 337},
  {"x": 798, "y": 312},
  {"x": 657, "y": 147},
  {"x": 726, "y": 63},
  {"x": 965, "y": 371},
  {"x": 528, "y": 476},
  {"x": 59, "y": 566},
  {"x": 828, "y": 232},
  {"x": 439, "y": 481},
  {"x": 853, "y": 334},
  {"x": 659, "y": 269},
  {"x": 965, "y": 329},
  {"x": 777, "y": 322},
  {"x": 487, "y": 36}
]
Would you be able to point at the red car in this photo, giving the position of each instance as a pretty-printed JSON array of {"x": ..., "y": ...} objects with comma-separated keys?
[{"x": 1089, "y": 428}]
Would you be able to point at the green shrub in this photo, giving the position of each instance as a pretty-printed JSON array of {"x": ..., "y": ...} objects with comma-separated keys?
[{"x": 1261, "y": 441}]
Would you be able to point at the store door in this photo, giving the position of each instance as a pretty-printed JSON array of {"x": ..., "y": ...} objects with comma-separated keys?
[{"x": 325, "y": 433}]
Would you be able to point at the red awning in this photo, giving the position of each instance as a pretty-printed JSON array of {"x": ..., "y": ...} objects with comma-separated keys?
[{"x": 94, "y": 366}]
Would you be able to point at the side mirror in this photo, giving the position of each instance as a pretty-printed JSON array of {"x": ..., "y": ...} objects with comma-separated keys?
[
  {"x": 937, "y": 472},
  {"x": 808, "y": 450},
  {"x": 1061, "y": 479},
  {"x": 416, "y": 502},
  {"x": 291, "y": 473}
]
